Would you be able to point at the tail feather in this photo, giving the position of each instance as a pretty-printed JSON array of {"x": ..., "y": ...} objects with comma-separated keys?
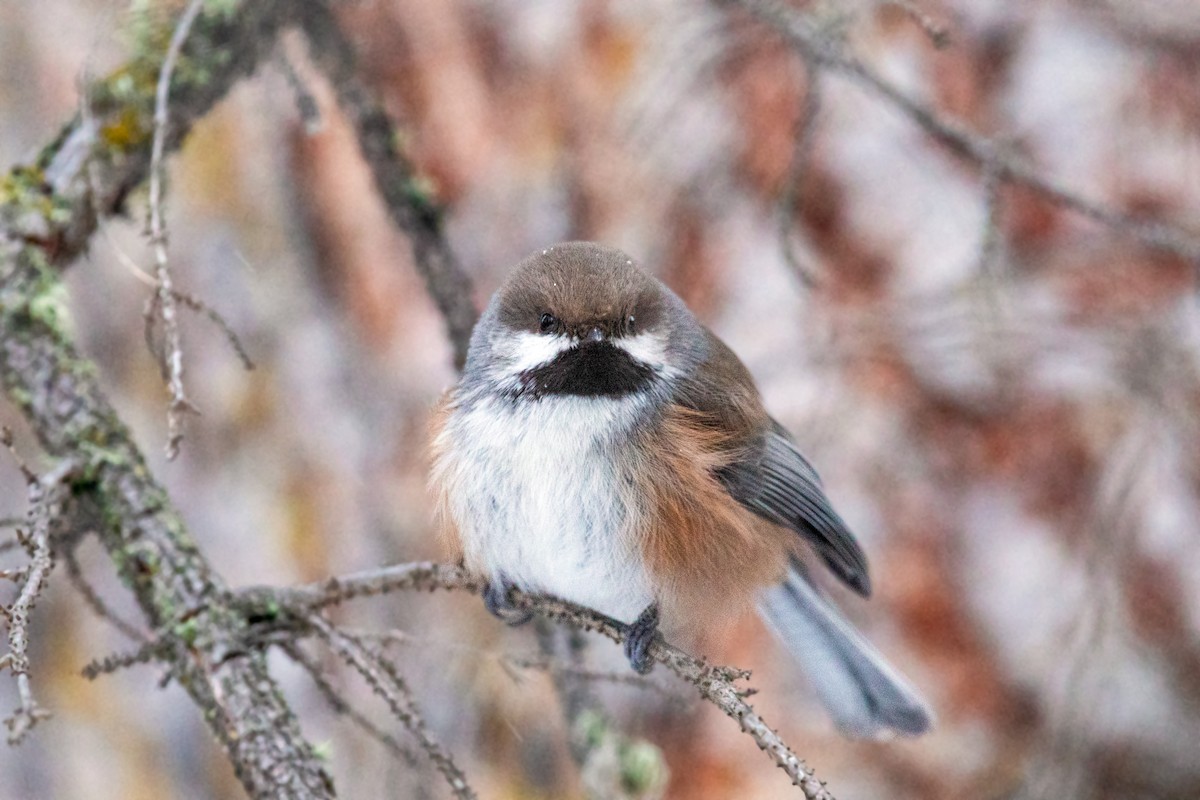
[{"x": 862, "y": 693}]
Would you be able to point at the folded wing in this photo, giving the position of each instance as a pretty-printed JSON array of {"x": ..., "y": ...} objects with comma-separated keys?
[{"x": 776, "y": 482}]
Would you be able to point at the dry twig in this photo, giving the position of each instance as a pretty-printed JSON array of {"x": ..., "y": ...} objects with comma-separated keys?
[
  {"x": 341, "y": 706},
  {"x": 46, "y": 497},
  {"x": 95, "y": 601},
  {"x": 805, "y": 135},
  {"x": 716, "y": 684},
  {"x": 387, "y": 683},
  {"x": 162, "y": 305},
  {"x": 937, "y": 33},
  {"x": 828, "y": 53}
]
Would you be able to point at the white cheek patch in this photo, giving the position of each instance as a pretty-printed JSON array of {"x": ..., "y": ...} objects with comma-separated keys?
[
  {"x": 648, "y": 348},
  {"x": 530, "y": 350}
]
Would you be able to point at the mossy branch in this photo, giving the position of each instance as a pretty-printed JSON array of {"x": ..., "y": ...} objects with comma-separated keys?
[{"x": 48, "y": 210}]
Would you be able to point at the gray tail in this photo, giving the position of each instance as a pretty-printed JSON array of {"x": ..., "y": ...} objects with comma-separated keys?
[{"x": 864, "y": 695}]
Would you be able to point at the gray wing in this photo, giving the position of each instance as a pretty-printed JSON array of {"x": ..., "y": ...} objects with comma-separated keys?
[{"x": 779, "y": 484}]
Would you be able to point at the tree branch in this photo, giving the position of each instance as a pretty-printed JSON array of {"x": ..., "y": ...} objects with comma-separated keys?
[
  {"x": 716, "y": 684},
  {"x": 47, "y": 212},
  {"x": 46, "y": 498},
  {"x": 408, "y": 199},
  {"x": 385, "y": 681},
  {"x": 827, "y": 53}
]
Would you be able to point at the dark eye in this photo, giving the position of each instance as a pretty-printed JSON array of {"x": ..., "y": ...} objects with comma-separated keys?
[
  {"x": 629, "y": 323},
  {"x": 548, "y": 322}
]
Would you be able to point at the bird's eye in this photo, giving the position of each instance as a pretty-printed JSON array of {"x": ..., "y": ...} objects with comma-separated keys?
[
  {"x": 548, "y": 322},
  {"x": 629, "y": 323}
]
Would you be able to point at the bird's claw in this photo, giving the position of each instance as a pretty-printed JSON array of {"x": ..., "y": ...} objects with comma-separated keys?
[
  {"x": 498, "y": 601},
  {"x": 641, "y": 635}
]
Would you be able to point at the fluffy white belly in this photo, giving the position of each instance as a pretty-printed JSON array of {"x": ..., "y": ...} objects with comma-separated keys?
[{"x": 533, "y": 489}]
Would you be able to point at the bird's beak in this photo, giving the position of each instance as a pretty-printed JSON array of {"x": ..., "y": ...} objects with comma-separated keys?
[{"x": 594, "y": 335}]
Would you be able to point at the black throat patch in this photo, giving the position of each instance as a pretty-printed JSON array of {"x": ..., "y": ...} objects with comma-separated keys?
[{"x": 592, "y": 369}]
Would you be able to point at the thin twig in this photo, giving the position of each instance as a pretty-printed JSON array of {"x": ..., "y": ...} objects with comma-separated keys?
[
  {"x": 716, "y": 684},
  {"x": 148, "y": 652},
  {"x": 46, "y": 496},
  {"x": 306, "y": 104},
  {"x": 342, "y": 706},
  {"x": 556, "y": 666},
  {"x": 805, "y": 134},
  {"x": 95, "y": 601},
  {"x": 937, "y": 33},
  {"x": 162, "y": 306},
  {"x": 387, "y": 683},
  {"x": 193, "y": 303},
  {"x": 188, "y": 301},
  {"x": 827, "y": 52},
  {"x": 990, "y": 239}
]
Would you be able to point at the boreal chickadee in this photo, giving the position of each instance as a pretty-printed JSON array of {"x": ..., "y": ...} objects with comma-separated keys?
[{"x": 604, "y": 447}]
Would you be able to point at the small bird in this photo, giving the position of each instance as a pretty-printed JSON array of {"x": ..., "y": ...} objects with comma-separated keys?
[{"x": 604, "y": 447}]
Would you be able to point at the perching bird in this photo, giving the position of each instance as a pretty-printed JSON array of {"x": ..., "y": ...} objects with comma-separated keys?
[{"x": 604, "y": 447}]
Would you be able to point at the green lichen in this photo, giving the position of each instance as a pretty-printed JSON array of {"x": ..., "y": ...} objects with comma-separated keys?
[
  {"x": 187, "y": 631},
  {"x": 591, "y": 727},
  {"x": 420, "y": 193},
  {"x": 21, "y": 184},
  {"x": 99, "y": 457},
  {"x": 49, "y": 307},
  {"x": 39, "y": 301},
  {"x": 642, "y": 767},
  {"x": 323, "y": 751},
  {"x": 28, "y": 204}
]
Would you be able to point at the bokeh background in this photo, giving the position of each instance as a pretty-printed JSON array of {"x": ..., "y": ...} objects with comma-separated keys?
[{"x": 1003, "y": 398}]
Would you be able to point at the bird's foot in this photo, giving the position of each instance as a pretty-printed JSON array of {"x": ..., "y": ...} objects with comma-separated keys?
[
  {"x": 499, "y": 602},
  {"x": 642, "y": 633}
]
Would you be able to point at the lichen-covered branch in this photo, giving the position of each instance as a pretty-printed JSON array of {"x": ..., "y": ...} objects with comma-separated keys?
[
  {"x": 47, "y": 212},
  {"x": 46, "y": 498}
]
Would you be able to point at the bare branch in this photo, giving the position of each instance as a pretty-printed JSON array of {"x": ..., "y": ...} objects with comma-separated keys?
[
  {"x": 306, "y": 104},
  {"x": 716, "y": 684},
  {"x": 46, "y": 498},
  {"x": 980, "y": 150},
  {"x": 95, "y": 601},
  {"x": 193, "y": 303},
  {"x": 990, "y": 240},
  {"x": 386, "y": 682},
  {"x": 162, "y": 307},
  {"x": 188, "y": 301},
  {"x": 806, "y": 128},
  {"x": 341, "y": 706},
  {"x": 558, "y": 667},
  {"x": 44, "y": 223},
  {"x": 937, "y": 33},
  {"x": 408, "y": 199},
  {"x": 148, "y": 652}
]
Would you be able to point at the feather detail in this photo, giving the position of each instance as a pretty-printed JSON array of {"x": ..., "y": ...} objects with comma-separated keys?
[
  {"x": 447, "y": 530},
  {"x": 707, "y": 554}
]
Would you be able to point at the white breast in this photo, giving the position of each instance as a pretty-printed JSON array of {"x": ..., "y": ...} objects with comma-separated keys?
[{"x": 533, "y": 489}]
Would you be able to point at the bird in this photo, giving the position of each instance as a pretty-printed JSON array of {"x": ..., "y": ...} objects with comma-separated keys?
[{"x": 604, "y": 447}]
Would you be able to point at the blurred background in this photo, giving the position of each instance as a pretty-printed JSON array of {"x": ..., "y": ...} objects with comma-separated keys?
[{"x": 1002, "y": 396}]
